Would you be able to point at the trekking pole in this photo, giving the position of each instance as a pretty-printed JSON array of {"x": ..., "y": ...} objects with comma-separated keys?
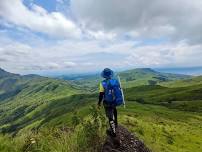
[{"x": 124, "y": 103}]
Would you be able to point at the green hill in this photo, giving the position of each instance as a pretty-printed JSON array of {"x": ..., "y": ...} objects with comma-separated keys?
[
  {"x": 129, "y": 78},
  {"x": 161, "y": 128},
  {"x": 183, "y": 98},
  {"x": 147, "y": 76},
  {"x": 4, "y": 73},
  {"x": 184, "y": 83},
  {"x": 56, "y": 113},
  {"x": 12, "y": 86},
  {"x": 22, "y": 97}
]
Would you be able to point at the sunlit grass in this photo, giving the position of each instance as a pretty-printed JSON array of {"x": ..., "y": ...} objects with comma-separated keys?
[{"x": 164, "y": 129}]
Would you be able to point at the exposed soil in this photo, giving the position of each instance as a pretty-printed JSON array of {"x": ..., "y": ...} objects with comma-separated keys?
[{"x": 124, "y": 142}]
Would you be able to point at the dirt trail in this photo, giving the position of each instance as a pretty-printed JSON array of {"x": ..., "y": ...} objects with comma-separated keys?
[{"x": 124, "y": 142}]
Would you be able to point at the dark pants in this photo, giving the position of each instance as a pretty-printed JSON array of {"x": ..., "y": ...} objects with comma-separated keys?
[{"x": 111, "y": 113}]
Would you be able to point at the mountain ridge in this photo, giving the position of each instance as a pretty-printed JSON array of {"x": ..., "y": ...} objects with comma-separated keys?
[
  {"x": 155, "y": 113},
  {"x": 4, "y": 73},
  {"x": 124, "y": 142},
  {"x": 129, "y": 78}
]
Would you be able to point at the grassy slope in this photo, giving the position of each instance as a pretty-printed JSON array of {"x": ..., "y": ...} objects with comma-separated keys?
[
  {"x": 164, "y": 129},
  {"x": 142, "y": 76},
  {"x": 183, "y": 83},
  {"x": 184, "y": 98},
  {"x": 43, "y": 105},
  {"x": 35, "y": 94}
]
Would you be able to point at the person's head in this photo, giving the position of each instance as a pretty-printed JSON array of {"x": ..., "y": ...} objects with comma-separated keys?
[{"x": 107, "y": 73}]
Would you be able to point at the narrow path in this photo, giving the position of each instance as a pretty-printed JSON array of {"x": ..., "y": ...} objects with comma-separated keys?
[{"x": 124, "y": 142}]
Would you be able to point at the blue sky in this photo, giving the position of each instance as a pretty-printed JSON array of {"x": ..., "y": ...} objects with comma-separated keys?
[
  {"x": 75, "y": 36},
  {"x": 49, "y": 5}
]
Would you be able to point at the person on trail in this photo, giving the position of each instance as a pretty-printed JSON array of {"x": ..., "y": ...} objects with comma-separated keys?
[{"x": 111, "y": 95}]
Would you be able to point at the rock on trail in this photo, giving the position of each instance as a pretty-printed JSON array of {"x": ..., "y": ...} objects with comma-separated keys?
[{"x": 124, "y": 142}]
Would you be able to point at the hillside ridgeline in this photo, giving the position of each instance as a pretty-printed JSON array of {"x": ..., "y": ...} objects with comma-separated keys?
[
  {"x": 124, "y": 142},
  {"x": 37, "y": 107}
]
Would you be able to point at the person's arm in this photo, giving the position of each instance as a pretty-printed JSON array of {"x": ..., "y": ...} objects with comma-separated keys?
[{"x": 101, "y": 94}]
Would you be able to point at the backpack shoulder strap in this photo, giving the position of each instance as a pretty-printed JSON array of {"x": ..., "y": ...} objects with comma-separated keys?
[{"x": 106, "y": 83}]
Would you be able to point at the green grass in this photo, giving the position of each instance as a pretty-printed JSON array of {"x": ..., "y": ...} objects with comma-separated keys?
[
  {"x": 87, "y": 135},
  {"x": 43, "y": 113},
  {"x": 164, "y": 129},
  {"x": 171, "y": 127},
  {"x": 168, "y": 118},
  {"x": 170, "y": 97},
  {"x": 183, "y": 83},
  {"x": 33, "y": 101},
  {"x": 161, "y": 129}
]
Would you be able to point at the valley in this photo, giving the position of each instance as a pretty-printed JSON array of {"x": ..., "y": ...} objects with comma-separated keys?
[{"x": 164, "y": 110}]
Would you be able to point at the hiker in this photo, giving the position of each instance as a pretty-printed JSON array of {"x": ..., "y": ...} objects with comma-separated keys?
[{"x": 111, "y": 95}]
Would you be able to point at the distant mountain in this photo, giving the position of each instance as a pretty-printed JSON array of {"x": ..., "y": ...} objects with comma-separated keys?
[
  {"x": 197, "y": 80},
  {"x": 147, "y": 76},
  {"x": 14, "y": 87},
  {"x": 182, "y": 70},
  {"x": 4, "y": 73},
  {"x": 129, "y": 78}
]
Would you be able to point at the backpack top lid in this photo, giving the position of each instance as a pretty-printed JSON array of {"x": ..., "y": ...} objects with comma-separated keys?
[{"x": 107, "y": 73}]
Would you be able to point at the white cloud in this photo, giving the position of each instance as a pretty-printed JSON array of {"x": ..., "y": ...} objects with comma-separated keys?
[
  {"x": 167, "y": 55},
  {"x": 101, "y": 35},
  {"x": 176, "y": 19},
  {"x": 69, "y": 64},
  {"x": 52, "y": 65},
  {"x": 90, "y": 55},
  {"x": 39, "y": 10},
  {"x": 38, "y": 19},
  {"x": 104, "y": 33}
]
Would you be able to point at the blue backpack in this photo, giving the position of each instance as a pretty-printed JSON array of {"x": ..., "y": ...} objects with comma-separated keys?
[{"x": 113, "y": 93}]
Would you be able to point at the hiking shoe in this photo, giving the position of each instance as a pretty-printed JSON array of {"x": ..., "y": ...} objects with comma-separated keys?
[
  {"x": 116, "y": 125},
  {"x": 113, "y": 134},
  {"x": 110, "y": 133}
]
